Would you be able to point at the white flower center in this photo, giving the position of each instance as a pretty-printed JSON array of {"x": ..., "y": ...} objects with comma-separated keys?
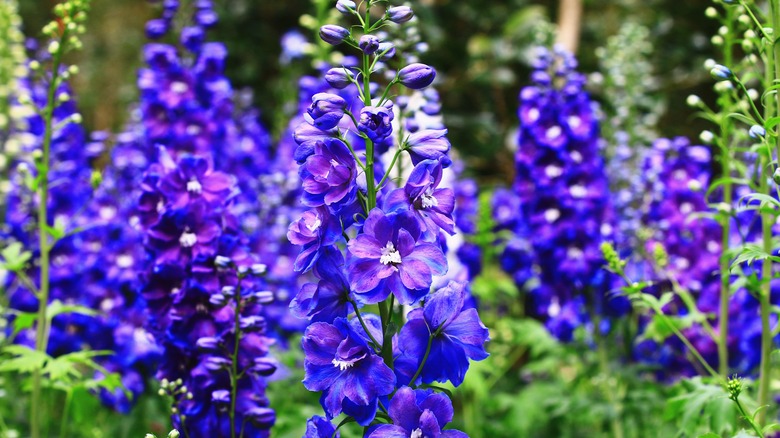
[
  {"x": 553, "y": 171},
  {"x": 533, "y": 114},
  {"x": 686, "y": 208},
  {"x": 417, "y": 433},
  {"x": 428, "y": 200},
  {"x": 552, "y": 215},
  {"x": 179, "y": 87},
  {"x": 314, "y": 226},
  {"x": 160, "y": 207},
  {"x": 188, "y": 239},
  {"x": 578, "y": 191},
  {"x": 343, "y": 364},
  {"x": 576, "y": 156},
  {"x": 194, "y": 186},
  {"x": 553, "y": 132},
  {"x": 574, "y": 122},
  {"x": 124, "y": 261},
  {"x": 390, "y": 255}
]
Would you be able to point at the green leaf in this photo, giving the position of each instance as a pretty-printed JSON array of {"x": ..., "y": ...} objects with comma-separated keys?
[
  {"x": 56, "y": 307},
  {"x": 659, "y": 328},
  {"x": 23, "y": 359},
  {"x": 710, "y": 435},
  {"x": 742, "y": 118},
  {"x": 23, "y": 321},
  {"x": 766, "y": 201},
  {"x": 701, "y": 408},
  {"x": 750, "y": 253},
  {"x": 14, "y": 258},
  {"x": 772, "y": 122}
]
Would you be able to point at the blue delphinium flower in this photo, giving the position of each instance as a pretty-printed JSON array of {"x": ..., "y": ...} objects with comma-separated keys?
[
  {"x": 418, "y": 413},
  {"x": 447, "y": 333},
  {"x": 390, "y": 257},
  {"x": 94, "y": 265},
  {"x": 389, "y": 246},
  {"x": 340, "y": 363},
  {"x": 565, "y": 211}
]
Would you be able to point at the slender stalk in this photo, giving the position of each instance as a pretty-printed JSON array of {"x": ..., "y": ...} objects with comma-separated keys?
[
  {"x": 601, "y": 350},
  {"x": 234, "y": 361},
  {"x": 424, "y": 359},
  {"x": 363, "y": 324},
  {"x": 767, "y": 222},
  {"x": 748, "y": 417},
  {"x": 725, "y": 162},
  {"x": 41, "y": 333}
]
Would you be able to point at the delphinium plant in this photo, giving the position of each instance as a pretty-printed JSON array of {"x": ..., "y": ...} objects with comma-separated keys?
[
  {"x": 68, "y": 308},
  {"x": 374, "y": 243},
  {"x": 710, "y": 239},
  {"x": 215, "y": 266}
]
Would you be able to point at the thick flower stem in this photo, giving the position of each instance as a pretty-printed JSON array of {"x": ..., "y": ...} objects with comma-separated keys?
[{"x": 41, "y": 333}]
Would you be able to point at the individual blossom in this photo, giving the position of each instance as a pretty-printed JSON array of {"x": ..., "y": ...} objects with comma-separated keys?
[
  {"x": 429, "y": 144},
  {"x": 418, "y": 413},
  {"x": 329, "y": 174},
  {"x": 449, "y": 333},
  {"x": 339, "y": 362},
  {"x": 320, "y": 427},
  {"x": 416, "y": 76},
  {"x": 194, "y": 180},
  {"x": 330, "y": 297},
  {"x": 433, "y": 206},
  {"x": 390, "y": 257},
  {"x": 326, "y": 110},
  {"x": 376, "y": 122},
  {"x": 315, "y": 231}
]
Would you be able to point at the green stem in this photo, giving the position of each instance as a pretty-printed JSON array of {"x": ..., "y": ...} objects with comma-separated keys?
[
  {"x": 725, "y": 273},
  {"x": 64, "y": 421},
  {"x": 424, "y": 359},
  {"x": 390, "y": 168},
  {"x": 377, "y": 345},
  {"x": 234, "y": 360},
  {"x": 41, "y": 333},
  {"x": 767, "y": 222},
  {"x": 748, "y": 417},
  {"x": 603, "y": 358}
]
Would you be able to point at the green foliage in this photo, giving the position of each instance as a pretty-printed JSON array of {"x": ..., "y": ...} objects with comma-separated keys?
[{"x": 701, "y": 407}]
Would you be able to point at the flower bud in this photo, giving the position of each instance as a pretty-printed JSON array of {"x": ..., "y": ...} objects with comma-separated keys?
[
  {"x": 338, "y": 78},
  {"x": 207, "y": 343},
  {"x": 721, "y": 73},
  {"x": 216, "y": 363},
  {"x": 416, "y": 76},
  {"x": 258, "y": 269},
  {"x": 265, "y": 366},
  {"x": 333, "y": 35},
  {"x": 156, "y": 28},
  {"x": 221, "y": 396},
  {"x": 263, "y": 297},
  {"x": 218, "y": 300},
  {"x": 222, "y": 262},
  {"x": 399, "y": 14},
  {"x": 369, "y": 44},
  {"x": 776, "y": 176},
  {"x": 326, "y": 110},
  {"x": 757, "y": 132},
  {"x": 229, "y": 291},
  {"x": 693, "y": 100},
  {"x": 707, "y": 136},
  {"x": 346, "y": 7},
  {"x": 387, "y": 50}
]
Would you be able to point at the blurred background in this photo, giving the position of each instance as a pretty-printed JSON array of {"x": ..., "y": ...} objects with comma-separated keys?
[{"x": 479, "y": 49}]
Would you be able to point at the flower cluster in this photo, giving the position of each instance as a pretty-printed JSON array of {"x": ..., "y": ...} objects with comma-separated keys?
[
  {"x": 369, "y": 240},
  {"x": 93, "y": 258},
  {"x": 217, "y": 267},
  {"x": 565, "y": 211},
  {"x": 676, "y": 176}
]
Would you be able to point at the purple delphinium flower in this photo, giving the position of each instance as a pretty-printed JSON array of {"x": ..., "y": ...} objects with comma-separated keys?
[
  {"x": 194, "y": 180},
  {"x": 326, "y": 110},
  {"x": 328, "y": 299},
  {"x": 429, "y": 144},
  {"x": 389, "y": 257},
  {"x": 329, "y": 174},
  {"x": 316, "y": 230},
  {"x": 319, "y": 427},
  {"x": 339, "y": 362},
  {"x": 456, "y": 335},
  {"x": 421, "y": 195},
  {"x": 418, "y": 413},
  {"x": 376, "y": 122}
]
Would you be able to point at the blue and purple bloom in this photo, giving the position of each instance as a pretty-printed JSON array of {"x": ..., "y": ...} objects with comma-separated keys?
[
  {"x": 418, "y": 413},
  {"x": 389, "y": 256}
]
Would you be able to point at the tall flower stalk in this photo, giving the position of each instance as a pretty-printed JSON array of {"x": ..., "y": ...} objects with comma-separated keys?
[
  {"x": 64, "y": 33},
  {"x": 373, "y": 240}
]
